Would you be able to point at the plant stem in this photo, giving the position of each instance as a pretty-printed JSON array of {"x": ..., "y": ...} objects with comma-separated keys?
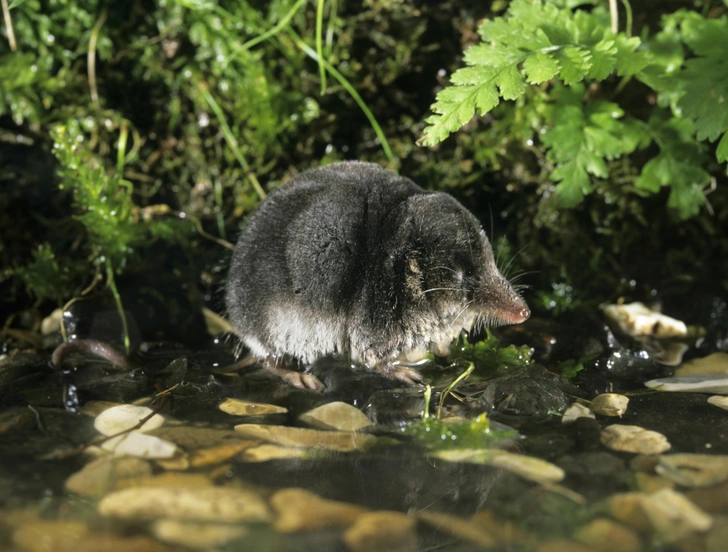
[
  {"x": 352, "y": 91},
  {"x": 91, "y": 59},
  {"x": 9, "y": 26},
  {"x": 230, "y": 139},
  {"x": 615, "y": 15},
  {"x": 320, "y": 44},
  {"x": 628, "y": 12},
  {"x": 119, "y": 306},
  {"x": 274, "y": 30}
]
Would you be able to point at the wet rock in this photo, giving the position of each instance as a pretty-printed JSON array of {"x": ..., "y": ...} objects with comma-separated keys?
[
  {"x": 717, "y": 363},
  {"x": 394, "y": 408},
  {"x": 712, "y": 499},
  {"x": 628, "y": 508},
  {"x": 528, "y": 467},
  {"x": 265, "y": 453},
  {"x": 531, "y": 392},
  {"x": 644, "y": 463},
  {"x": 120, "y": 418},
  {"x": 336, "y": 416},
  {"x": 628, "y": 438},
  {"x": 627, "y": 364},
  {"x": 300, "y": 510},
  {"x": 307, "y": 438},
  {"x": 609, "y": 404},
  {"x": 237, "y": 407},
  {"x": 606, "y": 535},
  {"x": 668, "y": 353},
  {"x": 692, "y": 384},
  {"x": 586, "y": 433},
  {"x": 469, "y": 531},
  {"x": 377, "y": 531},
  {"x": 694, "y": 470},
  {"x": 201, "y": 536},
  {"x": 102, "y": 475},
  {"x": 672, "y": 516},
  {"x": 719, "y": 401},
  {"x": 216, "y": 504},
  {"x": 69, "y": 536},
  {"x": 168, "y": 479},
  {"x": 595, "y": 474},
  {"x": 576, "y": 410},
  {"x": 650, "y": 483},
  {"x": 636, "y": 319}
]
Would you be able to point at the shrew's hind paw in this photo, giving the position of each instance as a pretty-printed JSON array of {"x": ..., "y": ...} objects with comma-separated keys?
[
  {"x": 301, "y": 380},
  {"x": 408, "y": 376}
]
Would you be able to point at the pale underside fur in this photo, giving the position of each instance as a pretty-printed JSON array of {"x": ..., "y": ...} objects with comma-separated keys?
[{"x": 300, "y": 333}]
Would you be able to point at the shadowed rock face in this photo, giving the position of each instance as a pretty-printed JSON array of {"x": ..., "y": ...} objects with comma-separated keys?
[{"x": 352, "y": 259}]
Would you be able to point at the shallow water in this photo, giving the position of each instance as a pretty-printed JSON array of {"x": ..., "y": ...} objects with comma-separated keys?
[{"x": 232, "y": 482}]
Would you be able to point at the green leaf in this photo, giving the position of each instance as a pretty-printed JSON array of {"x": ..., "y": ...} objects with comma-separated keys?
[
  {"x": 510, "y": 83},
  {"x": 16, "y": 3},
  {"x": 540, "y": 67},
  {"x": 603, "y": 59},
  {"x": 629, "y": 60},
  {"x": 574, "y": 62},
  {"x": 574, "y": 185},
  {"x": 722, "y": 152}
]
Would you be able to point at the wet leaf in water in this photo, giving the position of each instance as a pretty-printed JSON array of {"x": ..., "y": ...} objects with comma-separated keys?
[
  {"x": 336, "y": 416},
  {"x": 237, "y": 407},
  {"x": 529, "y": 467},
  {"x": 307, "y": 438}
]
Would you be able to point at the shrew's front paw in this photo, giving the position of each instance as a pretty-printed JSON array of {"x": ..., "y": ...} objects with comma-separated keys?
[{"x": 408, "y": 376}]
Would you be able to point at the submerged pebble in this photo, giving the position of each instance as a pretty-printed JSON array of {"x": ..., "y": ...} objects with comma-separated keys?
[
  {"x": 102, "y": 475},
  {"x": 692, "y": 384},
  {"x": 605, "y": 535},
  {"x": 719, "y": 401},
  {"x": 378, "y": 531},
  {"x": 694, "y": 470},
  {"x": 141, "y": 445},
  {"x": 300, "y": 510},
  {"x": 336, "y": 416},
  {"x": 217, "y": 504},
  {"x": 717, "y": 363},
  {"x": 576, "y": 410},
  {"x": 609, "y": 404},
  {"x": 672, "y": 515},
  {"x": 201, "y": 536},
  {"x": 629, "y": 438},
  {"x": 126, "y": 416}
]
